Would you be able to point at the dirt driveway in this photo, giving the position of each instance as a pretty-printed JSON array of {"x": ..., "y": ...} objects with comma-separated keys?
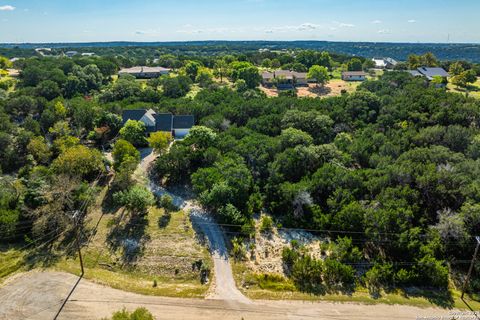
[
  {"x": 223, "y": 287},
  {"x": 39, "y": 295}
]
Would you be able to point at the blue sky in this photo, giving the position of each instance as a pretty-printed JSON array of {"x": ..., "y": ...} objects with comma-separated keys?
[{"x": 168, "y": 20}]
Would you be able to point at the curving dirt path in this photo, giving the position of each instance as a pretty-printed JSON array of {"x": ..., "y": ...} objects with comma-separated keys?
[
  {"x": 223, "y": 287},
  {"x": 39, "y": 295}
]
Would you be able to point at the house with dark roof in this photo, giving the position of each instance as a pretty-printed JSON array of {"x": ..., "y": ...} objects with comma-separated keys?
[
  {"x": 143, "y": 72},
  {"x": 178, "y": 125},
  {"x": 284, "y": 79},
  {"x": 431, "y": 73},
  {"x": 354, "y": 76},
  {"x": 414, "y": 73},
  {"x": 143, "y": 115},
  {"x": 71, "y": 53}
]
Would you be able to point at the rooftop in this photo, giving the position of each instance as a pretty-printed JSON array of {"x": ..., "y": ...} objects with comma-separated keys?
[
  {"x": 288, "y": 74},
  {"x": 431, "y": 72},
  {"x": 144, "y": 69},
  {"x": 354, "y": 73}
]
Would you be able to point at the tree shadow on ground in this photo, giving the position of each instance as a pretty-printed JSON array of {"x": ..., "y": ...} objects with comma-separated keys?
[
  {"x": 164, "y": 220},
  {"x": 43, "y": 256},
  {"x": 441, "y": 298},
  {"x": 108, "y": 205},
  {"x": 130, "y": 238},
  {"x": 320, "y": 90}
]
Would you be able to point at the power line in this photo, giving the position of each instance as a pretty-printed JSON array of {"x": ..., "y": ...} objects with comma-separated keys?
[{"x": 33, "y": 243}]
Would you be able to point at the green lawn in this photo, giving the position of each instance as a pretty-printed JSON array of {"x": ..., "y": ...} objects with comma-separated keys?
[
  {"x": 473, "y": 89},
  {"x": 11, "y": 262}
]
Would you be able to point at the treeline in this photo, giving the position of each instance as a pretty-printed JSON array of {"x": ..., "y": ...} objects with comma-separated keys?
[{"x": 399, "y": 51}]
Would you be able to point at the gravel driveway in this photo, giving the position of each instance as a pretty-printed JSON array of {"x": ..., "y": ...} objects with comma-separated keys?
[{"x": 223, "y": 287}]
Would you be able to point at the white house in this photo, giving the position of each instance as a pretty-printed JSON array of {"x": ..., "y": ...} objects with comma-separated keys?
[
  {"x": 354, "y": 76},
  {"x": 384, "y": 63}
]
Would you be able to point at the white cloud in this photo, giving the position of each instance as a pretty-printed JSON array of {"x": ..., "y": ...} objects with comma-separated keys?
[
  {"x": 302, "y": 27},
  {"x": 7, "y": 8},
  {"x": 377, "y": 21},
  {"x": 412, "y": 21},
  {"x": 308, "y": 26},
  {"x": 343, "y": 24},
  {"x": 384, "y": 31}
]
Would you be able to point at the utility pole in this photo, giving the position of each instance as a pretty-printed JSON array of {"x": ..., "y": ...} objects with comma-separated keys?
[
  {"x": 471, "y": 266},
  {"x": 75, "y": 221}
]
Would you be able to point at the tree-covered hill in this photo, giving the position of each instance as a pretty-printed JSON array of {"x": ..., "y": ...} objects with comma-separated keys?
[{"x": 399, "y": 51}]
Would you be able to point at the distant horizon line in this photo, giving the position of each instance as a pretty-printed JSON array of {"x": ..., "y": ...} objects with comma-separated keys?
[{"x": 252, "y": 41}]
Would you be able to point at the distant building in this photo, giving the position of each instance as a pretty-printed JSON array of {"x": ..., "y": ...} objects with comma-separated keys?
[
  {"x": 143, "y": 72},
  {"x": 88, "y": 54},
  {"x": 178, "y": 125},
  {"x": 284, "y": 79},
  {"x": 71, "y": 53},
  {"x": 414, "y": 73},
  {"x": 354, "y": 76},
  {"x": 384, "y": 63},
  {"x": 431, "y": 73},
  {"x": 44, "y": 51}
]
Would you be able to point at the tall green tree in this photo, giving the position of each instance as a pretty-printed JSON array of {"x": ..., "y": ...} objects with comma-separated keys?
[
  {"x": 134, "y": 132},
  {"x": 319, "y": 73}
]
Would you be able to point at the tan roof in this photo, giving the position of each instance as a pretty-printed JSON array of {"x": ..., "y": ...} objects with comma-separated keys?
[
  {"x": 354, "y": 73},
  {"x": 144, "y": 69},
  {"x": 287, "y": 74}
]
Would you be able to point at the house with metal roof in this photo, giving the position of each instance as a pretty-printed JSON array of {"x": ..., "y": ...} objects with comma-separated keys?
[
  {"x": 354, "y": 76},
  {"x": 414, "y": 73},
  {"x": 284, "y": 79},
  {"x": 143, "y": 115},
  {"x": 384, "y": 63},
  {"x": 430, "y": 73},
  {"x": 178, "y": 125},
  {"x": 143, "y": 72}
]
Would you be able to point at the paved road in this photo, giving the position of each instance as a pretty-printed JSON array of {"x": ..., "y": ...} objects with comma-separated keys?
[
  {"x": 223, "y": 286},
  {"x": 38, "y": 295}
]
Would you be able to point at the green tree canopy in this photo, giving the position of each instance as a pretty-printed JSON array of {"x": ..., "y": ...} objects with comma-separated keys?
[{"x": 134, "y": 132}]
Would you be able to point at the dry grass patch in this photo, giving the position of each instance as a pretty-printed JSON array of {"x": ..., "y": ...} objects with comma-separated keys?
[{"x": 150, "y": 255}]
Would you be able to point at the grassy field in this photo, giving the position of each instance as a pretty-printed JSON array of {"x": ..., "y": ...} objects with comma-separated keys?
[
  {"x": 11, "y": 262},
  {"x": 149, "y": 255},
  {"x": 473, "y": 89},
  {"x": 277, "y": 287}
]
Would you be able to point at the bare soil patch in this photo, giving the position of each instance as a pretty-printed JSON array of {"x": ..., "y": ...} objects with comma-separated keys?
[{"x": 333, "y": 88}]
